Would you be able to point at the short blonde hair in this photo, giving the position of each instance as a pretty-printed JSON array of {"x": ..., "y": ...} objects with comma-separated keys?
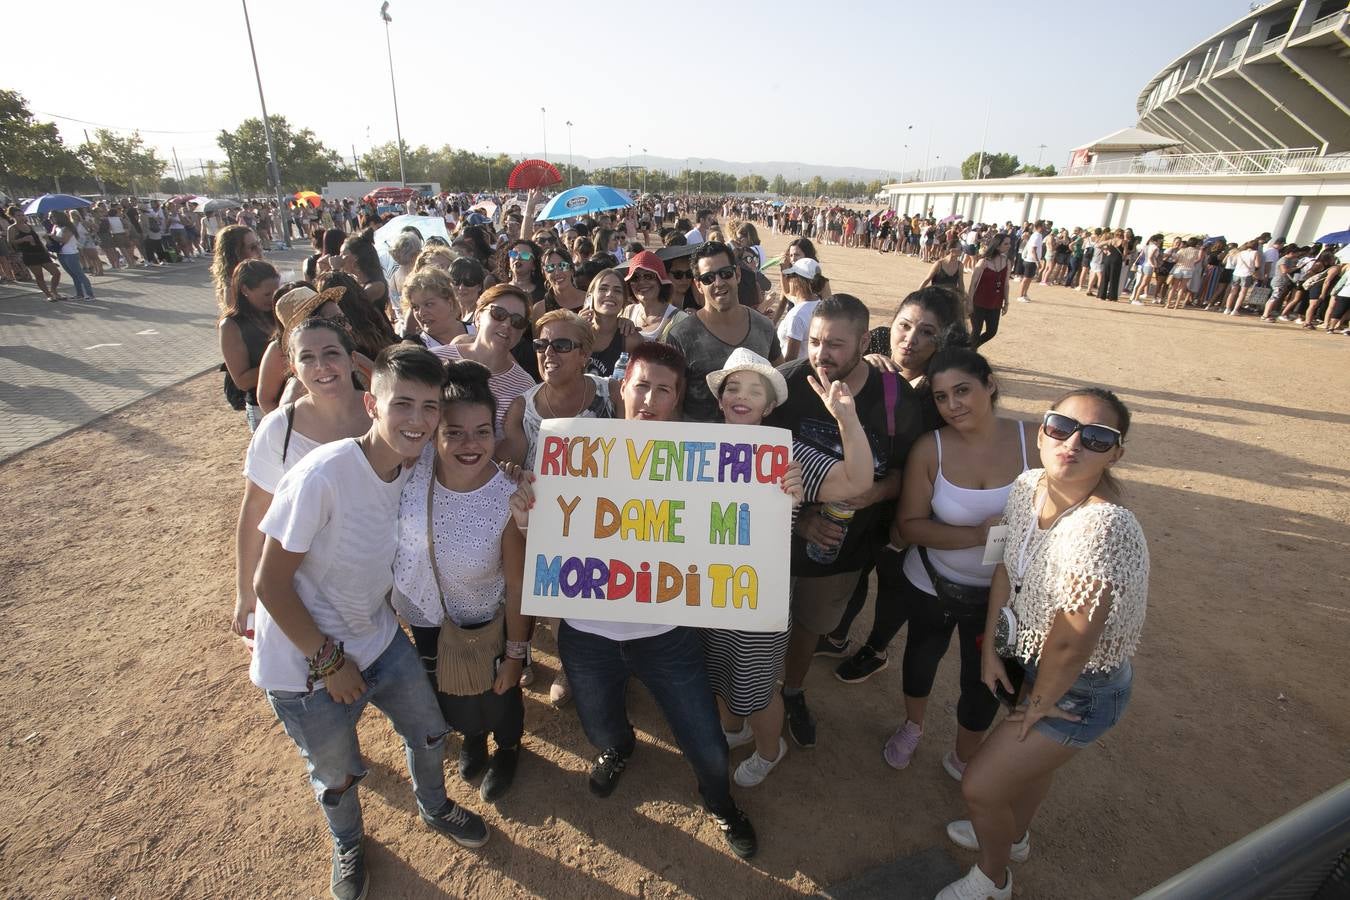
[
  {"x": 585, "y": 336},
  {"x": 405, "y": 248},
  {"x": 436, "y": 256},
  {"x": 430, "y": 279}
]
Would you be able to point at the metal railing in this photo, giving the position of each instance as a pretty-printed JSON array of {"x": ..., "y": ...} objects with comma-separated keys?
[
  {"x": 1301, "y": 161},
  {"x": 1300, "y": 855}
]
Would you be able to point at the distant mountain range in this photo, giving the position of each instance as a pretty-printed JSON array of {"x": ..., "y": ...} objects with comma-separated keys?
[{"x": 770, "y": 169}]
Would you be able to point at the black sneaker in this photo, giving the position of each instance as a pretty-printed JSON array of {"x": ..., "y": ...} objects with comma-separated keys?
[
  {"x": 739, "y": 833},
  {"x": 500, "y": 774},
  {"x": 461, "y": 826},
  {"x": 860, "y": 666},
  {"x": 473, "y": 756},
  {"x": 605, "y": 772},
  {"x": 826, "y": 645},
  {"x": 350, "y": 879},
  {"x": 801, "y": 724}
]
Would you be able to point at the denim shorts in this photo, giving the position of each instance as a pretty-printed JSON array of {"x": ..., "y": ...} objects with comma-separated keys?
[{"x": 1097, "y": 698}]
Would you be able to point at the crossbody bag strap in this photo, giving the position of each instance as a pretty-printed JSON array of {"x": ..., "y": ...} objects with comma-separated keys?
[
  {"x": 890, "y": 383},
  {"x": 431, "y": 545},
  {"x": 290, "y": 426}
]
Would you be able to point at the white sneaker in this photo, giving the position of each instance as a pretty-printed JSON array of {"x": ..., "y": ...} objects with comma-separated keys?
[
  {"x": 756, "y": 768},
  {"x": 739, "y": 738},
  {"x": 1136, "y": 302},
  {"x": 1023, "y": 299},
  {"x": 560, "y": 691},
  {"x": 962, "y": 834},
  {"x": 977, "y": 886}
]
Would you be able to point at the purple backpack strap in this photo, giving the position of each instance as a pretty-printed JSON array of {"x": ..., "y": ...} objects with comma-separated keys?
[{"x": 890, "y": 382}]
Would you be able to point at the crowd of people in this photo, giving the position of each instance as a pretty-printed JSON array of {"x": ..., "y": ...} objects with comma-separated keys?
[{"x": 395, "y": 419}]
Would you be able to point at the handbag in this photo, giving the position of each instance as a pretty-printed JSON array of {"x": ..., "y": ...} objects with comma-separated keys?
[
  {"x": 466, "y": 655},
  {"x": 960, "y": 601},
  {"x": 236, "y": 397}
]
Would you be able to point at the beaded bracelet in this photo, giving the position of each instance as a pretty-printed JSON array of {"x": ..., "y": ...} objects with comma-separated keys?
[
  {"x": 330, "y": 658},
  {"x": 517, "y": 649}
]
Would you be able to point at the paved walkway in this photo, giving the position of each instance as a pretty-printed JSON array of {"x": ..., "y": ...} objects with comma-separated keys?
[{"x": 65, "y": 364}]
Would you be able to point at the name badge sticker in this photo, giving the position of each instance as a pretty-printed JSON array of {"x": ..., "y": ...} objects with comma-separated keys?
[{"x": 993, "y": 547}]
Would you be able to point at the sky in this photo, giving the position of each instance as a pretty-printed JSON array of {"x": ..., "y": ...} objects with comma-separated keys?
[{"x": 832, "y": 83}]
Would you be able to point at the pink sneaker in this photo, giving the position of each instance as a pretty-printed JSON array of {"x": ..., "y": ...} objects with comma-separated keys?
[
  {"x": 953, "y": 765},
  {"x": 899, "y": 750}
]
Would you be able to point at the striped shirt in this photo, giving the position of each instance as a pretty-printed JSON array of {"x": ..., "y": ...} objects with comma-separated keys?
[{"x": 506, "y": 385}]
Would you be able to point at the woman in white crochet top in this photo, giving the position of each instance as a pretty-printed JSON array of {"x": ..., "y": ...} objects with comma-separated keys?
[{"x": 1066, "y": 608}]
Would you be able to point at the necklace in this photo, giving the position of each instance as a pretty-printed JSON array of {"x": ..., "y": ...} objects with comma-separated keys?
[
  {"x": 552, "y": 413},
  {"x": 1034, "y": 530}
]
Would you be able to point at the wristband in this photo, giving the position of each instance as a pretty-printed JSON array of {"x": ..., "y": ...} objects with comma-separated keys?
[{"x": 517, "y": 649}]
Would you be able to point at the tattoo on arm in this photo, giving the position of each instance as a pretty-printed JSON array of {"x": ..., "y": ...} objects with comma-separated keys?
[{"x": 1036, "y": 701}]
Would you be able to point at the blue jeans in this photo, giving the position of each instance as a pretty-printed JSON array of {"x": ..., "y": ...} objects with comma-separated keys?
[
  {"x": 71, "y": 263},
  {"x": 671, "y": 666},
  {"x": 325, "y": 732}
]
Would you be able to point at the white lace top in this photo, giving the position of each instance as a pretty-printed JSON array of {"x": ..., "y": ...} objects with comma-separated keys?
[
  {"x": 1093, "y": 550},
  {"x": 468, "y": 549}
]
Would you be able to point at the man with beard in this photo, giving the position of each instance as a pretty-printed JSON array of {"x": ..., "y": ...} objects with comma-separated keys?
[
  {"x": 891, "y": 416},
  {"x": 722, "y": 324}
]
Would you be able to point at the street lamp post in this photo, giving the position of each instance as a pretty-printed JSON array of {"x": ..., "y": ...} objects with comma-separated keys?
[
  {"x": 569, "y": 153},
  {"x": 700, "y": 178},
  {"x": 273, "y": 170},
  {"x": 543, "y": 126},
  {"x": 486, "y": 151},
  {"x": 398, "y": 129},
  {"x": 630, "y": 168},
  {"x": 644, "y": 170}
]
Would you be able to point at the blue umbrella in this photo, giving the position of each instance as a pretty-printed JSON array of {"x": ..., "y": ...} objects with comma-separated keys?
[
  {"x": 53, "y": 202},
  {"x": 1336, "y": 237},
  {"x": 579, "y": 201}
]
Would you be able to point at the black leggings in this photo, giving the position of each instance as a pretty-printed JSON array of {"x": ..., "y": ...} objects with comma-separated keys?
[
  {"x": 1109, "y": 289},
  {"x": 930, "y": 633},
  {"x": 471, "y": 716},
  {"x": 983, "y": 324}
]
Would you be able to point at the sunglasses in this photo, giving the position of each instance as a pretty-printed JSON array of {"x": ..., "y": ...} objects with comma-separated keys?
[
  {"x": 681, "y": 273},
  {"x": 1097, "y": 438},
  {"x": 546, "y": 240},
  {"x": 644, "y": 275},
  {"x": 465, "y": 282},
  {"x": 559, "y": 345},
  {"x": 521, "y": 254},
  {"x": 501, "y": 314},
  {"x": 726, "y": 273},
  {"x": 558, "y": 267}
]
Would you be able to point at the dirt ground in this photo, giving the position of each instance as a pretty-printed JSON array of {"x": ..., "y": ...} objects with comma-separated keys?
[{"x": 140, "y": 761}]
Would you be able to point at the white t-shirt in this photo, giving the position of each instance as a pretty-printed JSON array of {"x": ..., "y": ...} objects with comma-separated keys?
[
  {"x": 333, "y": 508},
  {"x": 1034, "y": 247},
  {"x": 263, "y": 464},
  {"x": 619, "y": 631},
  {"x": 693, "y": 236},
  {"x": 1270, "y": 257},
  {"x": 796, "y": 324}
]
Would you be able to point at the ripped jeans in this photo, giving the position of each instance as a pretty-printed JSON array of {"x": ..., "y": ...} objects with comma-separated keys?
[{"x": 325, "y": 732}]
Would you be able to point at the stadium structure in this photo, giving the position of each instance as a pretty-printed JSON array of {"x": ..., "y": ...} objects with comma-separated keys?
[{"x": 1248, "y": 131}]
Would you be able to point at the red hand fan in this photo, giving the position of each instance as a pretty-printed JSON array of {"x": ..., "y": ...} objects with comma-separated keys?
[{"x": 533, "y": 173}]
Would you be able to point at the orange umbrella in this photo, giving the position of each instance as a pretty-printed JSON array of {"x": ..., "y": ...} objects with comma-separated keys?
[{"x": 309, "y": 197}]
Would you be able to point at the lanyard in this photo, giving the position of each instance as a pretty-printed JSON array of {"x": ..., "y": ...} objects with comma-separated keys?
[{"x": 1023, "y": 561}]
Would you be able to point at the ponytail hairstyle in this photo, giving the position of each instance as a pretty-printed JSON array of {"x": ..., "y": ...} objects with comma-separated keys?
[
  {"x": 362, "y": 246},
  {"x": 1118, "y": 407},
  {"x": 955, "y": 351},
  {"x": 247, "y": 275},
  {"x": 467, "y": 382}
]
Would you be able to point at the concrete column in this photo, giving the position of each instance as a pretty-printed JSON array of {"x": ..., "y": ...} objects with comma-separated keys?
[
  {"x": 1285, "y": 218},
  {"x": 923, "y": 208},
  {"x": 1026, "y": 208},
  {"x": 970, "y": 208},
  {"x": 1108, "y": 209}
]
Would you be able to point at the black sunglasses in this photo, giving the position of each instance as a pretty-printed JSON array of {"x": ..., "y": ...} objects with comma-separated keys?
[
  {"x": 502, "y": 314},
  {"x": 541, "y": 240},
  {"x": 465, "y": 282},
  {"x": 559, "y": 345},
  {"x": 644, "y": 275},
  {"x": 680, "y": 273},
  {"x": 726, "y": 273},
  {"x": 1097, "y": 438}
]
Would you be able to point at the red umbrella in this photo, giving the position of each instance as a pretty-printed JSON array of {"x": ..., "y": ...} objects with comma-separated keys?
[
  {"x": 533, "y": 173},
  {"x": 392, "y": 195}
]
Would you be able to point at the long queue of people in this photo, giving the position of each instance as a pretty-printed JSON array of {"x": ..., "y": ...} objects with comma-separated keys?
[{"x": 395, "y": 420}]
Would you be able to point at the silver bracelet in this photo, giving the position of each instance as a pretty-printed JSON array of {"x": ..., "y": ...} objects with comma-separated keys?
[{"x": 517, "y": 649}]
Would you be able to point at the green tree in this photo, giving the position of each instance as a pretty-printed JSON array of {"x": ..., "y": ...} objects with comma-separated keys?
[
  {"x": 816, "y": 187},
  {"x": 1001, "y": 165},
  {"x": 779, "y": 184},
  {"x": 304, "y": 161},
  {"x": 1038, "y": 171},
  {"x": 124, "y": 163},
  {"x": 32, "y": 153}
]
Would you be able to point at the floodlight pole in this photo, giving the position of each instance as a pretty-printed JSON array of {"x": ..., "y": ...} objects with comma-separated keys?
[
  {"x": 398, "y": 130},
  {"x": 274, "y": 171},
  {"x": 569, "y": 153}
]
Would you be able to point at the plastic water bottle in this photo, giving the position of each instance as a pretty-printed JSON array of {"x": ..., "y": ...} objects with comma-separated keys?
[
  {"x": 620, "y": 367},
  {"x": 839, "y": 515}
]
